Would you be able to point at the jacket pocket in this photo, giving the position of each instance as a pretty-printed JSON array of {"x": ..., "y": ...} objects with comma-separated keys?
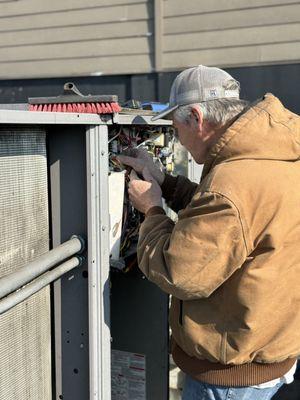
[{"x": 180, "y": 312}]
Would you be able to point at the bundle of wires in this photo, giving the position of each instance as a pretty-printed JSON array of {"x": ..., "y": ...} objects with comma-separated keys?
[{"x": 131, "y": 225}]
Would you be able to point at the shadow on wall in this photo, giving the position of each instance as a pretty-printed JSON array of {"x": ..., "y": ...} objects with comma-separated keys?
[
  {"x": 18, "y": 91},
  {"x": 281, "y": 80}
]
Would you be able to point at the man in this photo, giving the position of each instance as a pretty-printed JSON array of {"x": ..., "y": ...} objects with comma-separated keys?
[{"x": 232, "y": 261}]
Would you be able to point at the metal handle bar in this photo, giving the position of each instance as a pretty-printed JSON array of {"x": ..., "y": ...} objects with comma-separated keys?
[
  {"x": 13, "y": 281},
  {"x": 43, "y": 280}
]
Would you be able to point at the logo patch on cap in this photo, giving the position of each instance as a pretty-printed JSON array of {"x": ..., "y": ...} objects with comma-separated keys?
[{"x": 210, "y": 94}]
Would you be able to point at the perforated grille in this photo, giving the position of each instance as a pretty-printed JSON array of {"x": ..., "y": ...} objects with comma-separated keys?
[{"x": 25, "y": 353}]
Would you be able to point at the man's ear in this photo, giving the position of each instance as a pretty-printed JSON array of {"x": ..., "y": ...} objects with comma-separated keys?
[{"x": 197, "y": 117}]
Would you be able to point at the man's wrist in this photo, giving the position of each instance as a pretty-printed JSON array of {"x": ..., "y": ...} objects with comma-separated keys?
[{"x": 154, "y": 210}]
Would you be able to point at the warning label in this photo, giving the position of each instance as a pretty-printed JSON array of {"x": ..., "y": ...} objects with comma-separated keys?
[{"x": 128, "y": 376}]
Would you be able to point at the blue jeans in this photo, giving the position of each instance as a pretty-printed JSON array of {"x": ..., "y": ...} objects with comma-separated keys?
[{"x": 195, "y": 390}]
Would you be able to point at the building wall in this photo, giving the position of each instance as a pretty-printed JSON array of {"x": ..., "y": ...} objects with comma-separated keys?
[
  {"x": 103, "y": 37},
  {"x": 75, "y": 37},
  {"x": 230, "y": 33}
]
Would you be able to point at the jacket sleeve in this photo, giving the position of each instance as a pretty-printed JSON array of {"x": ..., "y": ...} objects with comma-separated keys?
[
  {"x": 178, "y": 191},
  {"x": 192, "y": 258}
]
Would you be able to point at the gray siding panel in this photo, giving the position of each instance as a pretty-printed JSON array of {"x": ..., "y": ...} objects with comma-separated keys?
[
  {"x": 103, "y": 48},
  {"x": 237, "y": 19},
  {"x": 179, "y": 7},
  {"x": 79, "y": 66},
  {"x": 237, "y": 56},
  {"x": 230, "y": 38},
  {"x": 230, "y": 33},
  {"x": 75, "y": 37},
  {"x": 75, "y": 17},
  {"x": 68, "y": 34},
  {"x": 23, "y": 7},
  {"x": 88, "y": 37}
]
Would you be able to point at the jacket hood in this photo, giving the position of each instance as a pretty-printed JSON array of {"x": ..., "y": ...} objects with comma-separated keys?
[{"x": 266, "y": 131}]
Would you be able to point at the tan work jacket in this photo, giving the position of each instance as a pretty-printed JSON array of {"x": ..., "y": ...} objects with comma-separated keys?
[{"x": 232, "y": 261}]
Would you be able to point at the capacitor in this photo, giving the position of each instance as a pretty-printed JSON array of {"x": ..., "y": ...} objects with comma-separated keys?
[{"x": 170, "y": 167}]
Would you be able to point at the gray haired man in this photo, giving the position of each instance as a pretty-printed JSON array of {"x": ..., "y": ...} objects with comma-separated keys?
[{"x": 232, "y": 261}]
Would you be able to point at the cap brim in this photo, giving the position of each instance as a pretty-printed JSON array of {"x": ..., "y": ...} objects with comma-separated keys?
[{"x": 164, "y": 113}]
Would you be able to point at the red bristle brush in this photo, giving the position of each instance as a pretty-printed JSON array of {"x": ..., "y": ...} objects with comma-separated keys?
[{"x": 72, "y": 101}]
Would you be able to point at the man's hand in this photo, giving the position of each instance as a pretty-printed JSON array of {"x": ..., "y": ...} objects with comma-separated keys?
[
  {"x": 144, "y": 194},
  {"x": 138, "y": 159}
]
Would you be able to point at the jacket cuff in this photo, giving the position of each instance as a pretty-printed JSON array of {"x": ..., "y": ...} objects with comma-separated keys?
[
  {"x": 168, "y": 187},
  {"x": 156, "y": 210}
]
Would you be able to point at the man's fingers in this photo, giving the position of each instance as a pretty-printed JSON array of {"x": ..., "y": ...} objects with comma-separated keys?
[
  {"x": 133, "y": 175},
  {"x": 126, "y": 160},
  {"x": 143, "y": 153},
  {"x": 147, "y": 175},
  {"x": 134, "y": 163},
  {"x": 137, "y": 153},
  {"x": 131, "y": 152}
]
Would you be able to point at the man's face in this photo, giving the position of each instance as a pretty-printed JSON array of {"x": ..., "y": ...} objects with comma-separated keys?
[
  {"x": 183, "y": 131},
  {"x": 190, "y": 137}
]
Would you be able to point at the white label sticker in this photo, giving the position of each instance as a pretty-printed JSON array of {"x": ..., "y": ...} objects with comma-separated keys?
[{"x": 128, "y": 376}]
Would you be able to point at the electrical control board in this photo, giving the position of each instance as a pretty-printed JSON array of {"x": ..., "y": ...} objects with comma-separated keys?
[{"x": 158, "y": 142}]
